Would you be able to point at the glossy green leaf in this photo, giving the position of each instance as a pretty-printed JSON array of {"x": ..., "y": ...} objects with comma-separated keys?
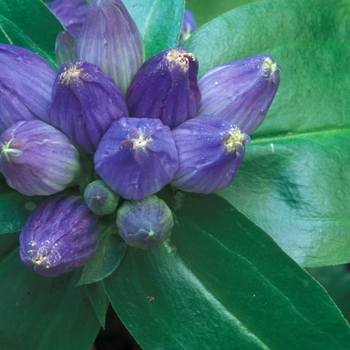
[
  {"x": 262, "y": 26},
  {"x": 40, "y": 312},
  {"x": 159, "y": 22},
  {"x": 15, "y": 209},
  {"x": 221, "y": 282},
  {"x": 20, "y": 25},
  {"x": 99, "y": 300},
  {"x": 110, "y": 252},
  {"x": 336, "y": 281},
  {"x": 295, "y": 179},
  {"x": 212, "y": 9}
]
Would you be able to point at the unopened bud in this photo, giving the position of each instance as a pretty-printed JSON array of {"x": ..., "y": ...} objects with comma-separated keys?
[
  {"x": 111, "y": 40},
  {"x": 26, "y": 81},
  {"x": 37, "y": 159},
  {"x": 210, "y": 152},
  {"x": 146, "y": 223},
  {"x": 241, "y": 91},
  {"x": 60, "y": 235},
  {"x": 136, "y": 157},
  {"x": 100, "y": 199},
  {"x": 166, "y": 88},
  {"x": 85, "y": 101}
]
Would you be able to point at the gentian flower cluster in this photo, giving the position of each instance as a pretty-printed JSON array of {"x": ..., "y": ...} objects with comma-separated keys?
[{"x": 139, "y": 125}]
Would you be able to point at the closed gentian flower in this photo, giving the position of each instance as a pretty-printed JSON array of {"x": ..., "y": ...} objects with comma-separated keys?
[
  {"x": 66, "y": 48},
  {"x": 146, "y": 223},
  {"x": 166, "y": 88},
  {"x": 60, "y": 235},
  {"x": 136, "y": 157},
  {"x": 26, "y": 81},
  {"x": 100, "y": 198},
  {"x": 241, "y": 91},
  {"x": 210, "y": 152},
  {"x": 37, "y": 159},
  {"x": 85, "y": 101},
  {"x": 71, "y": 13},
  {"x": 189, "y": 25},
  {"x": 111, "y": 40}
]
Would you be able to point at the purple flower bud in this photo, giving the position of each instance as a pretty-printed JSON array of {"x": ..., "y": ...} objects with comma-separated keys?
[
  {"x": 166, "y": 88},
  {"x": 111, "y": 40},
  {"x": 100, "y": 199},
  {"x": 66, "y": 48},
  {"x": 146, "y": 223},
  {"x": 26, "y": 81},
  {"x": 37, "y": 159},
  {"x": 71, "y": 13},
  {"x": 241, "y": 91},
  {"x": 189, "y": 25},
  {"x": 136, "y": 157},
  {"x": 60, "y": 235},
  {"x": 85, "y": 101},
  {"x": 210, "y": 152}
]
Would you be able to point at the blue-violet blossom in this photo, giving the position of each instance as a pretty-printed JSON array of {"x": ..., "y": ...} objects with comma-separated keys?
[
  {"x": 60, "y": 235},
  {"x": 240, "y": 91},
  {"x": 210, "y": 152},
  {"x": 37, "y": 159},
  {"x": 136, "y": 157}
]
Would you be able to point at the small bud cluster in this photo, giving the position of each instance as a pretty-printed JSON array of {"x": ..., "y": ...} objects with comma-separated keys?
[{"x": 141, "y": 125}]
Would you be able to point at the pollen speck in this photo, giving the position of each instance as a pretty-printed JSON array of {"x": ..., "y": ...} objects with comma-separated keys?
[
  {"x": 140, "y": 142},
  {"x": 181, "y": 58},
  {"x": 236, "y": 140},
  {"x": 269, "y": 67},
  {"x": 67, "y": 75}
]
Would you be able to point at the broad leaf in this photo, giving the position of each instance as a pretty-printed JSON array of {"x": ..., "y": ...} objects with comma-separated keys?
[
  {"x": 336, "y": 281},
  {"x": 110, "y": 252},
  {"x": 40, "y": 312},
  {"x": 212, "y": 9},
  {"x": 221, "y": 282},
  {"x": 29, "y": 24},
  {"x": 99, "y": 300},
  {"x": 159, "y": 22},
  {"x": 295, "y": 179},
  {"x": 15, "y": 208}
]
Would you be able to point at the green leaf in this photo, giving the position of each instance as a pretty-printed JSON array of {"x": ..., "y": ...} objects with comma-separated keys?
[
  {"x": 262, "y": 26},
  {"x": 29, "y": 24},
  {"x": 212, "y": 9},
  {"x": 336, "y": 281},
  {"x": 294, "y": 181},
  {"x": 110, "y": 252},
  {"x": 159, "y": 22},
  {"x": 221, "y": 282},
  {"x": 40, "y": 312},
  {"x": 99, "y": 300},
  {"x": 15, "y": 209}
]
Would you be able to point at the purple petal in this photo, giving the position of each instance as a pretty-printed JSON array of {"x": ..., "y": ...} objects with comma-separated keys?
[
  {"x": 166, "y": 88},
  {"x": 189, "y": 25},
  {"x": 210, "y": 152},
  {"x": 111, "y": 40},
  {"x": 136, "y": 157},
  {"x": 26, "y": 81},
  {"x": 60, "y": 236},
  {"x": 85, "y": 101},
  {"x": 241, "y": 91},
  {"x": 71, "y": 13},
  {"x": 37, "y": 159}
]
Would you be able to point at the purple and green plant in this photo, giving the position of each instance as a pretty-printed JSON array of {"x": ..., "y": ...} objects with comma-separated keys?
[{"x": 231, "y": 272}]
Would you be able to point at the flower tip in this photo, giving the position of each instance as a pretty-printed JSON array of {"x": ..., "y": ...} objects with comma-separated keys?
[{"x": 271, "y": 69}]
